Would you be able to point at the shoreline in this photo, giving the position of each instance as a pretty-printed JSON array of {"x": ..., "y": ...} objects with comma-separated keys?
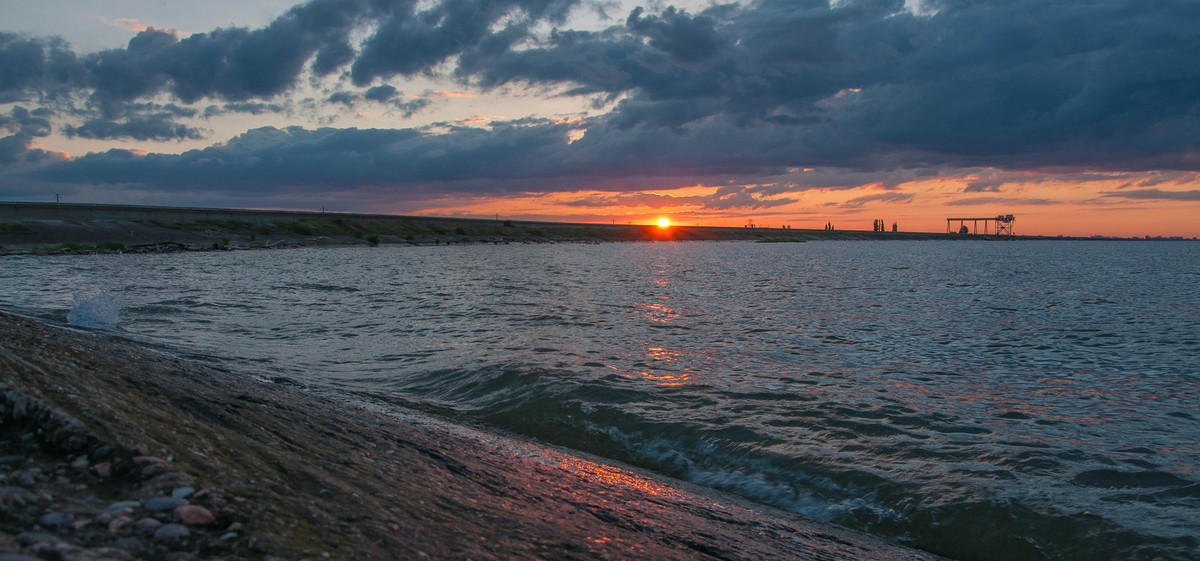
[
  {"x": 34, "y": 228},
  {"x": 98, "y": 432}
]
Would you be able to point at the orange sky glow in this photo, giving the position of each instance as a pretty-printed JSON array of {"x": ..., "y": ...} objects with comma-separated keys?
[{"x": 1047, "y": 206}]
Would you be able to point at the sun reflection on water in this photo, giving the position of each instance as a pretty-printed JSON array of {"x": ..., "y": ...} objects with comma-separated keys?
[
  {"x": 611, "y": 476},
  {"x": 659, "y": 313}
]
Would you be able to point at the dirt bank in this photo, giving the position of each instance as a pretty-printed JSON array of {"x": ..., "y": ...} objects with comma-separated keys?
[{"x": 112, "y": 451}]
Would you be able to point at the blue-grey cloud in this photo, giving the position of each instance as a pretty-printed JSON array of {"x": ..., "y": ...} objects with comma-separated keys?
[
  {"x": 250, "y": 107},
  {"x": 25, "y": 125},
  {"x": 409, "y": 42},
  {"x": 743, "y": 197},
  {"x": 158, "y": 126},
  {"x": 985, "y": 185},
  {"x": 891, "y": 197},
  {"x": 32, "y": 68},
  {"x": 995, "y": 201},
  {"x": 1013, "y": 84},
  {"x": 270, "y": 159},
  {"x": 862, "y": 85},
  {"x": 687, "y": 39},
  {"x": 1155, "y": 195},
  {"x": 381, "y": 93},
  {"x": 344, "y": 98},
  {"x": 740, "y": 197},
  {"x": 409, "y": 107}
]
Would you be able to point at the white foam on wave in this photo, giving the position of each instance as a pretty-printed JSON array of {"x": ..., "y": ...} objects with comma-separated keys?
[
  {"x": 96, "y": 310},
  {"x": 810, "y": 495}
]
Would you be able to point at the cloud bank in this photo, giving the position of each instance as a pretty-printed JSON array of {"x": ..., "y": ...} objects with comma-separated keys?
[{"x": 751, "y": 90}]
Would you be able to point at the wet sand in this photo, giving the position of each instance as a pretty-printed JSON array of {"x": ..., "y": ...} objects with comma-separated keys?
[{"x": 95, "y": 427}]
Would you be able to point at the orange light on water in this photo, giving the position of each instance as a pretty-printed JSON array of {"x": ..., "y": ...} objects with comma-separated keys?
[{"x": 663, "y": 223}]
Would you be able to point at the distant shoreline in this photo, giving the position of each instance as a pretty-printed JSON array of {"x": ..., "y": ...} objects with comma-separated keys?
[{"x": 46, "y": 228}]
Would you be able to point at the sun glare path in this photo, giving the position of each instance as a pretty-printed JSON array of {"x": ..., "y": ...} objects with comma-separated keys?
[{"x": 663, "y": 222}]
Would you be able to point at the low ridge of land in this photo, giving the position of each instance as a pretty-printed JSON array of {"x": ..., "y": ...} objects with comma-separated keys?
[{"x": 49, "y": 228}]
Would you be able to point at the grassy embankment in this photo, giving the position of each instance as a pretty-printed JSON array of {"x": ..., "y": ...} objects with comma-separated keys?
[{"x": 292, "y": 230}]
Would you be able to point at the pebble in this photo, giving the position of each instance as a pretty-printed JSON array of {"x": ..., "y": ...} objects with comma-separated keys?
[
  {"x": 182, "y": 492},
  {"x": 11, "y": 460},
  {"x": 171, "y": 480},
  {"x": 123, "y": 506},
  {"x": 164, "y": 503},
  {"x": 152, "y": 465},
  {"x": 81, "y": 463},
  {"x": 148, "y": 525},
  {"x": 19, "y": 495},
  {"x": 101, "y": 453},
  {"x": 119, "y": 522},
  {"x": 193, "y": 515},
  {"x": 171, "y": 532},
  {"x": 103, "y": 469},
  {"x": 26, "y": 539},
  {"x": 51, "y": 519},
  {"x": 16, "y": 557}
]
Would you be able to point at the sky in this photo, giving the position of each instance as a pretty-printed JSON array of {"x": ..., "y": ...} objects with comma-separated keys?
[{"x": 1079, "y": 117}]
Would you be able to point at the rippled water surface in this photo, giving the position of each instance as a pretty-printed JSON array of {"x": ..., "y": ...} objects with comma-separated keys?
[{"x": 981, "y": 400}]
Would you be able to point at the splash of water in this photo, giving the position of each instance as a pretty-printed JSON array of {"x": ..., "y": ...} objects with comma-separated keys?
[{"x": 97, "y": 310}]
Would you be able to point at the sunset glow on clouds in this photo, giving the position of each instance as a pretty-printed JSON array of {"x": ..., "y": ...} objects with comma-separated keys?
[{"x": 1079, "y": 118}]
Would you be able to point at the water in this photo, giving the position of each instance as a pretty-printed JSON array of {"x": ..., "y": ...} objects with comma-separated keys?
[{"x": 1024, "y": 400}]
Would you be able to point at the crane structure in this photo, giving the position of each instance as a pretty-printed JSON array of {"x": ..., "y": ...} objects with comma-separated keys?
[{"x": 1003, "y": 225}]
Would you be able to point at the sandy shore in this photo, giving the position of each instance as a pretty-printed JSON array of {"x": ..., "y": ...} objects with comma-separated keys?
[{"x": 98, "y": 434}]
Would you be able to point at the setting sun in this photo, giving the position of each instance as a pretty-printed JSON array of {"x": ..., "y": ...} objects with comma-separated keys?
[{"x": 663, "y": 222}]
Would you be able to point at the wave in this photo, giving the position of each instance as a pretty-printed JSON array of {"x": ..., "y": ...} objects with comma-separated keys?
[
  {"x": 98, "y": 310},
  {"x": 956, "y": 518}
]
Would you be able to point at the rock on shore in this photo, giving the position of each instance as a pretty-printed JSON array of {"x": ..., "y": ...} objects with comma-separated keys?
[{"x": 111, "y": 451}]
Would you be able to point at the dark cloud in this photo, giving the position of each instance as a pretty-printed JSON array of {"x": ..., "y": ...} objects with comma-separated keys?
[
  {"x": 381, "y": 93},
  {"x": 999, "y": 201},
  {"x": 687, "y": 39},
  {"x": 984, "y": 185},
  {"x": 232, "y": 64},
  {"x": 1013, "y": 84},
  {"x": 861, "y": 87},
  {"x": 409, "y": 42},
  {"x": 344, "y": 98},
  {"x": 32, "y": 68},
  {"x": 638, "y": 199},
  {"x": 726, "y": 198},
  {"x": 270, "y": 159},
  {"x": 250, "y": 107},
  {"x": 409, "y": 107},
  {"x": 526, "y": 155},
  {"x": 159, "y": 126},
  {"x": 1155, "y": 195},
  {"x": 896, "y": 198},
  {"x": 741, "y": 197},
  {"x": 25, "y": 125},
  {"x": 238, "y": 64}
]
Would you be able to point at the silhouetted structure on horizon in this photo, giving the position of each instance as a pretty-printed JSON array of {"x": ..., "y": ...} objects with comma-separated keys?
[{"x": 1004, "y": 225}]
